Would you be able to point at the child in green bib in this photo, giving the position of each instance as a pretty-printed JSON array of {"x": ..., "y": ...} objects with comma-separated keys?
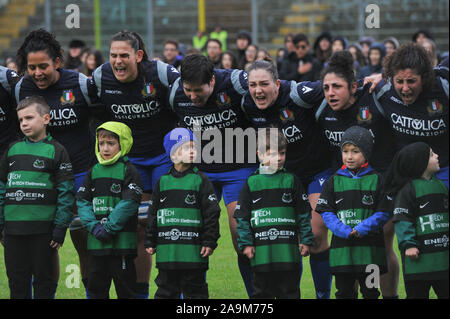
[{"x": 420, "y": 220}]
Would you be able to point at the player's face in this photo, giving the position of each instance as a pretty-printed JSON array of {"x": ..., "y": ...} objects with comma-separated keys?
[
  {"x": 352, "y": 157},
  {"x": 199, "y": 93},
  {"x": 433, "y": 163},
  {"x": 263, "y": 89},
  {"x": 186, "y": 153},
  {"x": 408, "y": 85},
  {"x": 42, "y": 69},
  {"x": 124, "y": 61},
  {"x": 273, "y": 158},
  {"x": 337, "y": 92},
  {"x": 108, "y": 146},
  {"x": 32, "y": 124}
]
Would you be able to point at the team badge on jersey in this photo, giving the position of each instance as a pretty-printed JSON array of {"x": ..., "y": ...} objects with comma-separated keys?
[
  {"x": 148, "y": 90},
  {"x": 286, "y": 115},
  {"x": 435, "y": 107},
  {"x": 39, "y": 164},
  {"x": 364, "y": 115},
  {"x": 223, "y": 99},
  {"x": 190, "y": 199},
  {"x": 67, "y": 97}
]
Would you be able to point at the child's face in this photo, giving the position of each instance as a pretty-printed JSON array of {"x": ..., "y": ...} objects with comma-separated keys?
[
  {"x": 273, "y": 158},
  {"x": 352, "y": 157},
  {"x": 108, "y": 146},
  {"x": 32, "y": 124},
  {"x": 433, "y": 163},
  {"x": 185, "y": 154}
]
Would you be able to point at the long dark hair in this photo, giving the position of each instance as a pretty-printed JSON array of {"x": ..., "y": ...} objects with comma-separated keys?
[
  {"x": 38, "y": 40},
  {"x": 410, "y": 56}
]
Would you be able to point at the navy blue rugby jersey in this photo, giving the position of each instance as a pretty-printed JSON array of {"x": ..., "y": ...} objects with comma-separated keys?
[
  {"x": 8, "y": 117},
  {"x": 216, "y": 121},
  {"x": 140, "y": 104},
  {"x": 293, "y": 113},
  {"x": 69, "y": 111},
  {"x": 425, "y": 120},
  {"x": 364, "y": 112}
]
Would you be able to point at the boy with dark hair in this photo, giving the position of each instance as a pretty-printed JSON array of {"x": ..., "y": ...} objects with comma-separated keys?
[
  {"x": 272, "y": 213},
  {"x": 36, "y": 197},
  {"x": 108, "y": 203},
  {"x": 183, "y": 222},
  {"x": 349, "y": 205}
]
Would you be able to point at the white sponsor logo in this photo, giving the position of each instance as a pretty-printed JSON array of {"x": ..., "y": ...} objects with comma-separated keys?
[
  {"x": 256, "y": 200},
  {"x": 226, "y": 118},
  {"x": 437, "y": 242},
  {"x": 162, "y": 199},
  {"x": 20, "y": 195},
  {"x": 339, "y": 200},
  {"x": 176, "y": 234},
  {"x": 274, "y": 234}
]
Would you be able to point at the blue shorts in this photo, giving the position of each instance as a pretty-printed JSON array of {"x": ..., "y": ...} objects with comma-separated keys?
[
  {"x": 76, "y": 222},
  {"x": 151, "y": 169},
  {"x": 229, "y": 184},
  {"x": 79, "y": 179},
  {"x": 442, "y": 174},
  {"x": 315, "y": 184}
]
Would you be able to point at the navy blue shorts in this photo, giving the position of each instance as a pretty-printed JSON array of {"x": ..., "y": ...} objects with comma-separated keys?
[
  {"x": 151, "y": 169},
  {"x": 229, "y": 184}
]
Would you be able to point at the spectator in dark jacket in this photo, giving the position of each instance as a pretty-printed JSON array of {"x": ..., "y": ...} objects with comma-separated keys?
[
  {"x": 243, "y": 40},
  {"x": 300, "y": 65},
  {"x": 322, "y": 47},
  {"x": 377, "y": 52}
]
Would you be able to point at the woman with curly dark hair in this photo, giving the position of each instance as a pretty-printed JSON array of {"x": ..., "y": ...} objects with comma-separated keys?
[
  {"x": 39, "y": 60},
  {"x": 414, "y": 98}
]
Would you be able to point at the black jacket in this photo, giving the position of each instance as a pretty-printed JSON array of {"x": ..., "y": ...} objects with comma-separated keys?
[{"x": 289, "y": 68}]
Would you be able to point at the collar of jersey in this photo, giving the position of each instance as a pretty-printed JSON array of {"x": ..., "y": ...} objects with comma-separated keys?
[
  {"x": 47, "y": 138},
  {"x": 365, "y": 169}
]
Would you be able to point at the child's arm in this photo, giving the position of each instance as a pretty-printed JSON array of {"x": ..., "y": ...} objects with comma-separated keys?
[
  {"x": 326, "y": 208},
  {"x": 303, "y": 210},
  {"x": 65, "y": 185},
  {"x": 243, "y": 215},
  {"x": 383, "y": 212},
  {"x": 151, "y": 232},
  {"x": 129, "y": 204},
  {"x": 3, "y": 178},
  {"x": 404, "y": 221},
  {"x": 210, "y": 213}
]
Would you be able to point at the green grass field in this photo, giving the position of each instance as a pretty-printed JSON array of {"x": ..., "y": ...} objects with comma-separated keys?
[{"x": 223, "y": 278}]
